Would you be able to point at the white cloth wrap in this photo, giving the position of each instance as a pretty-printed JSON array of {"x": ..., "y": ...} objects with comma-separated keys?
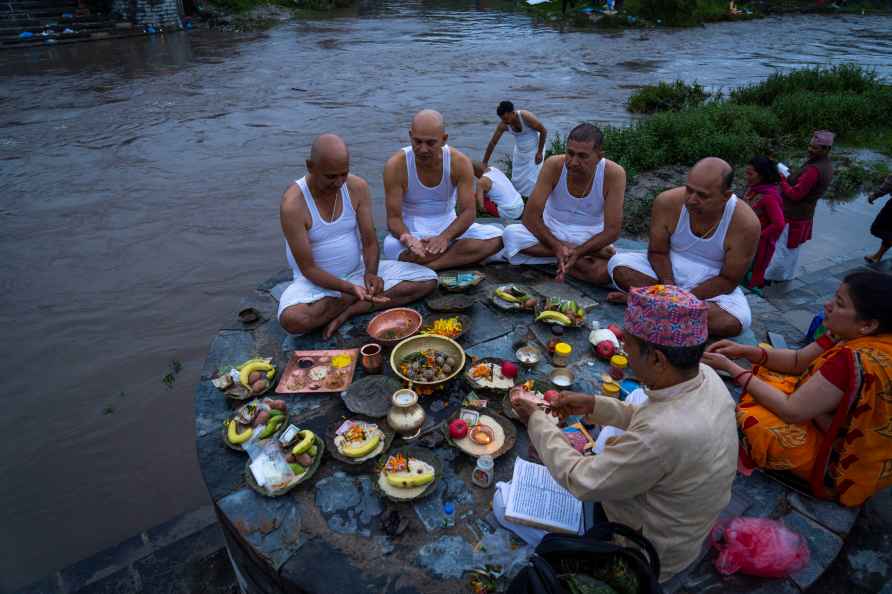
[{"x": 688, "y": 274}]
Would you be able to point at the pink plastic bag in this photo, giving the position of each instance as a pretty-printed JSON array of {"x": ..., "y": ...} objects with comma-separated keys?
[{"x": 757, "y": 546}]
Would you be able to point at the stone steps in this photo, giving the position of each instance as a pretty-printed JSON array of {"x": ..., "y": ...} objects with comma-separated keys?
[{"x": 45, "y": 22}]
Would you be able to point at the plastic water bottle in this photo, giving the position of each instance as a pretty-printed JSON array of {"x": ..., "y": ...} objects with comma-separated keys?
[{"x": 449, "y": 515}]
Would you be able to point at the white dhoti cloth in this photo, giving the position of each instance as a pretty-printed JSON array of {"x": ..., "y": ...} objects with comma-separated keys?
[
  {"x": 784, "y": 265},
  {"x": 517, "y": 238},
  {"x": 431, "y": 226},
  {"x": 688, "y": 274},
  {"x": 392, "y": 272}
]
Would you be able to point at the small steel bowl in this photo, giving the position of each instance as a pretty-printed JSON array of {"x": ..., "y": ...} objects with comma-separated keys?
[
  {"x": 395, "y": 324},
  {"x": 562, "y": 377},
  {"x": 528, "y": 356}
]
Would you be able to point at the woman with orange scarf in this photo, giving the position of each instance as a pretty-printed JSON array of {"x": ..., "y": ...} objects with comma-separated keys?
[{"x": 823, "y": 412}]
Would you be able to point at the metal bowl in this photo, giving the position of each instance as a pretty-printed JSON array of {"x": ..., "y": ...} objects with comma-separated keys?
[
  {"x": 399, "y": 322},
  {"x": 562, "y": 377},
  {"x": 528, "y": 356},
  {"x": 417, "y": 344}
]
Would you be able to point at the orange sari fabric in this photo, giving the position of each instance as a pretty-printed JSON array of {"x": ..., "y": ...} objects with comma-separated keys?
[{"x": 853, "y": 460}]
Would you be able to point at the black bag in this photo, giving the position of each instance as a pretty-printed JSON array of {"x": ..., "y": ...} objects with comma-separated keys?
[{"x": 625, "y": 569}]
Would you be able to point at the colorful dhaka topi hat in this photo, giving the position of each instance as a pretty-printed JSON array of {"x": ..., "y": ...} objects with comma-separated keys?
[{"x": 666, "y": 315}]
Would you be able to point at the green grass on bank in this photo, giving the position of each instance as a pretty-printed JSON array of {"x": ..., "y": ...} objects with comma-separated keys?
[{"x": 771, "y": 117}]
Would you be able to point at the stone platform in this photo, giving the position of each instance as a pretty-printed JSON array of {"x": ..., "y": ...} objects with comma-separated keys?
[{"x": 327, "y": 535}]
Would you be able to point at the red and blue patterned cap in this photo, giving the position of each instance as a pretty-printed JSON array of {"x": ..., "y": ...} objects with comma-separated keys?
[{"x": 666, "y": 315}]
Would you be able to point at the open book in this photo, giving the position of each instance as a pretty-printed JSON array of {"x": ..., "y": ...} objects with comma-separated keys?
[{"x": 537, "y": 500}]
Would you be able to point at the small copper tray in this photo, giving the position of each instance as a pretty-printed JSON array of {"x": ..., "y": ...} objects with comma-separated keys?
[{"x": 301, "y": 376}]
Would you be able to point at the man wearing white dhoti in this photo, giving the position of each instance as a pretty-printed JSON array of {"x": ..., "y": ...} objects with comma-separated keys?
[
  {"x": 496, "y": 195},
  {"x": 422, "y": 184},
  {"x": 702, "y": 239},
  {"x": 575, "y": 212},
  {"x": 529, "y": 144},
  {"x": 331, "y": 246}
]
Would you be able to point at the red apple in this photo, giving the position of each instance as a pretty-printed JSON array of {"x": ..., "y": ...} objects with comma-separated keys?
[
  {"x": 605, "y": 349},
  {"x": 458, "y": 428},
  {"x": 551, "y": 396},
  {"x": 509, "y": 369},
  {"x": 616, "y": 330}
]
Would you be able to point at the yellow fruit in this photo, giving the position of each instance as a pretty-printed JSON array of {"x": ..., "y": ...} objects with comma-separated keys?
[
  {"x": 505, "y": 295},
  {"x": 307, "y": 439},
  {"x": 236, "y": 438},
  {"x": 271, "y": 373},
  {"x": 363, "y": 449},
  {"x": 554, "y": 317},
  {"x": 246, "y": 371},
  {"x": 406, "y": 480}
]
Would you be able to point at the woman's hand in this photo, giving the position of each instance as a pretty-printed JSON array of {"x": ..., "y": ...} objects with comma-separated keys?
[
  {"x": 718, "y": 361},
  {"x": 732, "y": 350}
]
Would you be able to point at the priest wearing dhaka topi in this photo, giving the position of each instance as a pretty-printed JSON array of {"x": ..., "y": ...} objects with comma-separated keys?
[
  {"x": 332, "y": 248},
  {"x": 575, "y": 212},
  {"x": 702, "y": 238},
  {"x": 669, "y": 472},
  {"x": 422, "y": 184}
]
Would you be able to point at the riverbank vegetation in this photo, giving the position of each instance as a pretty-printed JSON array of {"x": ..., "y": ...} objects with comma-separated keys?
[{"x": 774, "y": 117}]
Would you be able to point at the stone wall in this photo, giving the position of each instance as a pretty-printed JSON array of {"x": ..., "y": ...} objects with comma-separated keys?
[{"x": 149, "y": 12}]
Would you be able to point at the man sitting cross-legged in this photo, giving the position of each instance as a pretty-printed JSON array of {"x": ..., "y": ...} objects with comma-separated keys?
[
  {"x": 702, "y": 239},
  {"x": 421, "y": 185},
  {"x": 332, "y": 248},
  {"x": 575, "y": 212}
]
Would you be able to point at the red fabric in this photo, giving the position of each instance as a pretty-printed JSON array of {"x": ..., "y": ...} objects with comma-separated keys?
[
  {"x": 800, "y": 232},
  {"x": 825, "y": 341},
  {"x": 490, "y": 207},
  {"x": 769, "y": 209},
  {"x": 839, "y": 370},
  {"x": 807, "y": 180}
]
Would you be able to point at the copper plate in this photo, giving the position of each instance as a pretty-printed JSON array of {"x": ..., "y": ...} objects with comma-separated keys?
[
  {"x": 401, "y": 322},
  {"x": 299, "y": 378}
]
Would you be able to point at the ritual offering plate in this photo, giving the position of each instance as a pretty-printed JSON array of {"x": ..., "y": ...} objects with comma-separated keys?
[
  {"x": 409, "y": 473},
  {"x": 302, "y": 458},
  {"x": 486, "y": 376},
  {"x": 358, "y": 440},
  {"x": 393, "y": 325},
  {"x": 272, "y": 415},
  {"x": 514, "y": 298},
  {"x": 450, "y": 302},
  {"x": 452, "y": 326},
  {"x": 371, "y": 395},
  {"x": 318, "y": 371},
  {"x": 427, "y": 360},
  {"x": 563, "y": 312},
  {"x": 252, "y": 378},
  {"x": 536, "y": 387},
  {"x": 460, "y": 280},
  {"x": 491, "y": 435}
]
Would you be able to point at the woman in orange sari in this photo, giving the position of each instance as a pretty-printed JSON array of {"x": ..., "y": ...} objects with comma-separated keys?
[{"x": 823, "y": 412}]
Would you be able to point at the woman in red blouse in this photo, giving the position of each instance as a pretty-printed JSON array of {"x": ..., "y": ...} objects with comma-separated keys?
[{"x": 763, "y": 195}]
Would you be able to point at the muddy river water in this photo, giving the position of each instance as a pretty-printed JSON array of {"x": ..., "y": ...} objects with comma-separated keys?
[{"x": 140, "y": 186}]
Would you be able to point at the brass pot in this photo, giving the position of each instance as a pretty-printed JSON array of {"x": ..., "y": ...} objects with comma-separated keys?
[{"x": 406, "y": 416}]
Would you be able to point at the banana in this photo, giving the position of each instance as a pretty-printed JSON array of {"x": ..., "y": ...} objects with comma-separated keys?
[
  {"x": 271, "y": 426},
  {"x": 554, "y": 317},
  {"x": 505, "y": 295},
  {"x": 274, "y": 412},
  {"x": 236, "y": 438},
  {"x": 271, "y": 373},
  {"x": 361, "y": 450},
  {"x": 297, "y": 468},
  {"x": 405, "y": 480},
  {"x": 313, "y": 450},
  {"x": 246, "y": 370},
  {"x": 307, "y": 439}
]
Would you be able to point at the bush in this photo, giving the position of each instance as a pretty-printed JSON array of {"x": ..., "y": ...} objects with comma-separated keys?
[
  {"x": 843, "y": 78},
  {"x": 666, "y": 97}
]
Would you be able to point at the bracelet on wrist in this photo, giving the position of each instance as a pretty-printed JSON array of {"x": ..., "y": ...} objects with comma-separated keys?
[
  {"x": 740, "y": 375},
  {"x": 747, "y": 384}
]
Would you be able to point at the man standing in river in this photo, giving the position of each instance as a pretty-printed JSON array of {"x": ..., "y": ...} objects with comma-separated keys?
[
  {"x": 529, "y": 144},
  {"x": 702, "y": 239},
  {"x": 422, "y": 184},
  {"x": 575, "y": 211},
  {"x": 332, "y": 248}
]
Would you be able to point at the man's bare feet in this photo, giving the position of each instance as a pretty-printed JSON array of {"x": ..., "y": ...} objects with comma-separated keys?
[
  {"x": 336, "y": 323},
  {"x": 617, "y": 297}
]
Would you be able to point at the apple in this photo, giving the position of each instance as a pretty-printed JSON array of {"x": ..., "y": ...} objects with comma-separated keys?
[
  {"x": 551, "y": 396},
  {"x": 605, "y": 349},
  {"x": 509, "y": 369},
  {"x": 458, "y": 428}
]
